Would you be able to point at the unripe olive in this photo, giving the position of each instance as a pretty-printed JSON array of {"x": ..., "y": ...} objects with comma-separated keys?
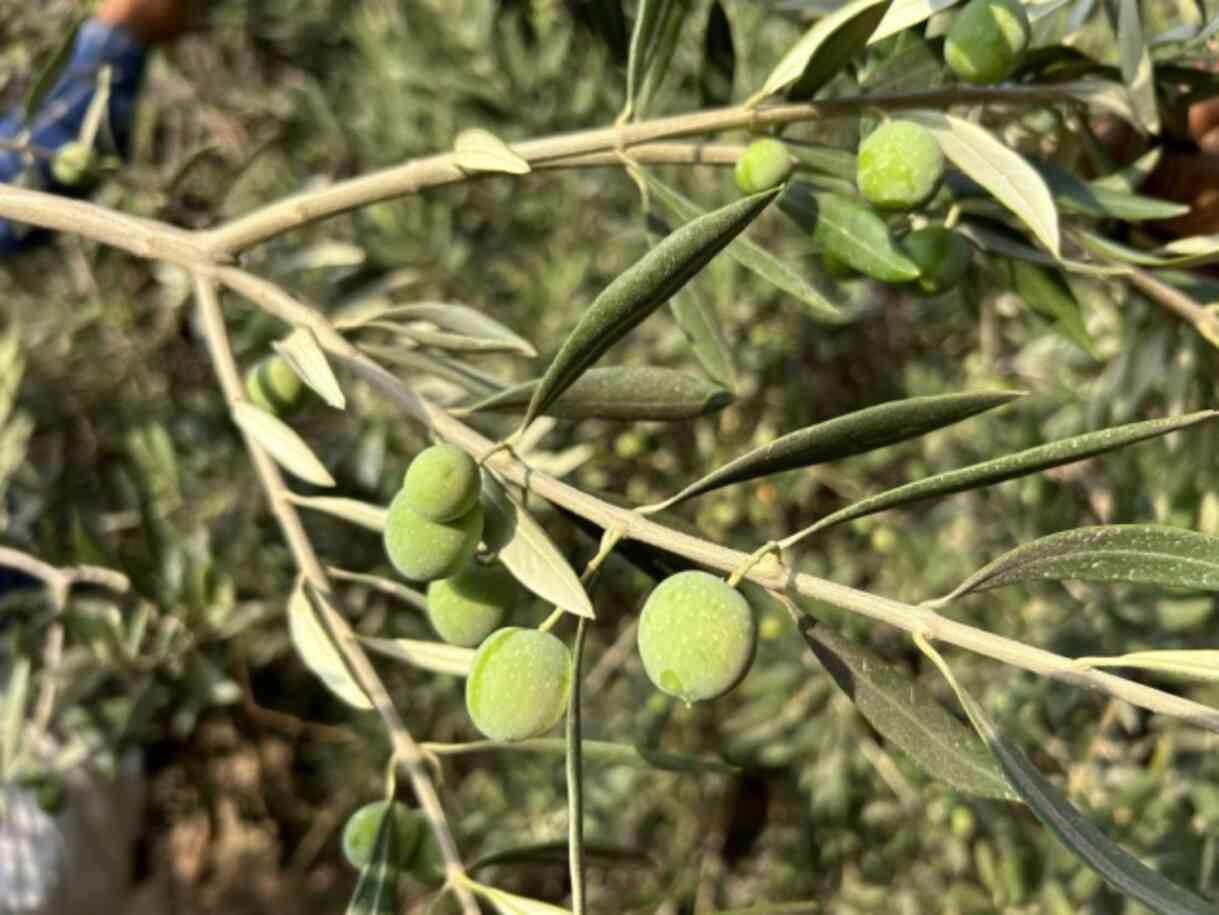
[
  {"x": 696, "y": 636},
  {"x": 987, "y": 40},
  {"x": 428, "y": 863},
  {"x": 518, "y": 683},
  {"x": 899, "y": 166},
  {"x": 424, "y": 550},
  {"x": 273, "y": 385},
  {"x": 360, "y": 834},
  {"x": 467, "y": 607},
  {"x": 942, "y": 256},
  {"x": 442, "y": 483},
  {"x": 764, "y": 164},
  {"x": 75, "y": 164}
]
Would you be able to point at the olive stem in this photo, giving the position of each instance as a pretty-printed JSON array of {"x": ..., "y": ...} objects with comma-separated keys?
[
  {"x": 550, "y": 621},
  {"x": 766, "y": 549}
]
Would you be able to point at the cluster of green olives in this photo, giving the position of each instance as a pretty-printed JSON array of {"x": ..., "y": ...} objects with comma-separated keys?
[
  {"x": 435, "y": 521},
  {"x": 414, "y": 848}
]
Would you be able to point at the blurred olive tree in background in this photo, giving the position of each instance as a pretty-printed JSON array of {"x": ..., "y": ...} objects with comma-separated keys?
[{"x": 119, "y": 450}]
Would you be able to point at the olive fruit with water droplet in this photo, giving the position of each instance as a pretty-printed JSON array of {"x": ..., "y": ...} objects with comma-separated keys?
[
  {"x": 899, "y": 165},
  {"x": 696, "y": 636},
  {"x": 518, "y": 684}
]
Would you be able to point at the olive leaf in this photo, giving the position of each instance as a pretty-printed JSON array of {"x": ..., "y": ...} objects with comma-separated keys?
[
  {"x": 906, "y": 13},
  {"x": 363, "y": 514},
  {"x": 511, "y": 904},
  {"x": 906, "y": 714},
  {"x": 653, "y": 39},
  {"x": 854, "y": 433},
  {"x": 376, "y": 892},
  {"x": 49, "y": 75},
  {"x": 478, "y": 150},
  {"x": 999, "y": 169},
  {"x": 1092, "y": 199},
  {"x": 851, "y": 231},
  {"x": 315, "y": 643},
  {"x": 1008, "y": 467},
  {"x": 1000, "y": 241},
  {"x": 1118, "y": 867},
  {"x": 1134, "y": 553},
  {"x": 753, "y": 257},
  {"x": 382, "y": 584},
  {"x": 1138, "y": 72},
  {"x": 525, "y": 550},
  {"x": 640, "y": 290},
  {"x": 464, "y": 376},
  {"x": 1131, "y": 178},
  {"x": 619, "y": 392},
  {"x": 14, "y": 715},
  {"x": 1052, "y": 299},
  {"x": 1194, "y": 664},
  {"x": 822, "y": 51},
  {"x": 303, "y": 353},
  {"x": 458, "y": 327},
  {"x": 434, "y": 656},
  {"x": 282, "y": 443},
  {"x": 719, "y": 57}
]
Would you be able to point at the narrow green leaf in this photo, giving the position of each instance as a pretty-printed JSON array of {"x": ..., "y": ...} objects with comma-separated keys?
[
  {"x": 1051, "y": 298},
  {"x": 753, "y": 257},
  {"x": 1131, "y": 178},
  {"x": 640, "y": 290},
  {"x": 511, "y": 904},
  {"x": 696, "y": 318},
  {"x": 316, "y": 646},
  {"x": 376, "y": 893},
  {"x": 478, "y": 150},
  {"x": 459, "y": 327},
  {"x": 823, "y": 50},
  {"x": 282, "y": 443},
  {"x": 854, "y": 433},
  {"x": 363, "y": 514},
  {"x": 998, "y": 168},
  {"x": 526, "y": 551},
  {"x": 434, "y": 656},
  {"x": 1138, "y": 72},
  {"x": 1194, "y": 664},
  {"x": 657, "y": 26},
  {"x": 907, "y": 715},
  {"x": 850, "y": 230},
  {"x": 1008, "y": 467},
  {"x": 719, "y": 58},
  {"x": 14, "y": 715},
  {"x": 304, "y": 354},
  {"x": 906, "y": 13},
  {"x": 840, "y": 163},
  {"x": 619, "y": 392},
  {"x": 1077, "y": 196},
  {"x": 49, "y": 75},
  {"x": 1134, "y": 553},
  {"x": 464, "y": 376},
  {"x": 384, "y": 585},
  {"x": 999, "y": 241},
  {"x": 1192, "y": 251}
]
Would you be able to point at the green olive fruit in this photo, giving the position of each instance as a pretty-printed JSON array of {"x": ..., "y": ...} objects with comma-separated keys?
[
  {"x": 469, "y": 606},
  {"x": 75, "y": 164},
  {"x": 273, "y": 385},
  {"x": 360, "y": 834},
  {"x": 899, "y": 166},
  {"x": 942, "y": 256},
  {"x": 428, "y": 863},
  {"x": 442, "y": 483},
  {"x": 696, "y": 636},
  {"x": 424, "y": 550},
  {"x": 765, "y": 164},
  {"x": 987, "y": 40},
  {"x": 518, "y": 683}
]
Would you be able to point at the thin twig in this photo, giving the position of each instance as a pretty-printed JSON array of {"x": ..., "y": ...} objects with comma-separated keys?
[
  {"x": 1204, "y": 320},
  {"x": 404, "y": 747}
]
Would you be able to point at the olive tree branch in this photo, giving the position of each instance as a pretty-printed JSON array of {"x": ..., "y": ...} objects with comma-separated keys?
[{"x": 405, "y": 749}]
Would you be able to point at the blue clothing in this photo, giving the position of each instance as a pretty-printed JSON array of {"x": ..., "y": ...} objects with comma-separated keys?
[{"x": 59, "y": 119}]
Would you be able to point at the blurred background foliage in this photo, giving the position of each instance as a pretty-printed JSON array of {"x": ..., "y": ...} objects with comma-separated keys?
[{"x": 118, "y": 450}]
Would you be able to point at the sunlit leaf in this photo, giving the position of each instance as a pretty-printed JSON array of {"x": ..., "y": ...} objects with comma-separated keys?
[
  {"x": 1131, "y": 553},
  {"x": 364, "y": 514},
  {"x": 998, "y": 168},
  {"x": 622, "y": 393},
  {"x": 15, "y": 696},
  {"x": 304, "y": 354},
  {"x": 478, "y": 150},
  {"x": 905, "y": 13},
  {"x": 511, "y": 904},
  {"x": 641, "y": 289},
  {"x": 1193, "y": 664},
  {"x": 1137, "y": 69},
  {"x": 1008, "y": 467},
  {"x": 315, "y": 643},
  {"x": 753, "y": 257},
  {"x": 907, "y": 715},
  {"x": 434, "y": 656},
  {"x": 282, "y": 443},
  {"x": 458, "y": 327},
  {"x": 823, "y": 50},
  {"x": 528, "y": 553},
  {"x": 843, "y": 436}
]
